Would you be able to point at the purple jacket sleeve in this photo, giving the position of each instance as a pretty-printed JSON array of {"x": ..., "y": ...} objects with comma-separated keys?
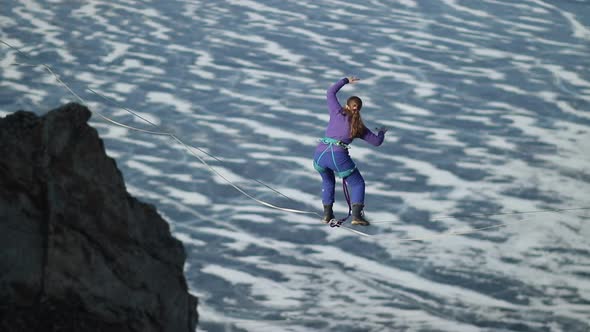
[
  {"x": 333, "y": 104},
  {"x": 373, "y": 139}
]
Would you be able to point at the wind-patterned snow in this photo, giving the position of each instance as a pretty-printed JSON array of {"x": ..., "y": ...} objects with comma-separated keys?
[{"x": 487, "y": 104}]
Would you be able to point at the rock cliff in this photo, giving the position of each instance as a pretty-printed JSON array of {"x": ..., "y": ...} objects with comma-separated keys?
[{"x": 78, "y": 252}]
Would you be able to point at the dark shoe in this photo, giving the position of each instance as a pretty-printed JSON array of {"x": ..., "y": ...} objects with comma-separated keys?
[
  {"x": 328, "y": 214},
  {"x": 358, "y": 217}
]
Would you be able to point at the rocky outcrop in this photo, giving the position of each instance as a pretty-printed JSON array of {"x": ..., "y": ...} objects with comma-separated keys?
[{"x": 78, "y": 252}]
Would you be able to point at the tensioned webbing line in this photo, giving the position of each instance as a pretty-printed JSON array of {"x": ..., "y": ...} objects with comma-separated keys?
[
  {"x": 191, "y": 149},
  {"x": 200, "y": 150},
  {"x": 159, "y": 133}
]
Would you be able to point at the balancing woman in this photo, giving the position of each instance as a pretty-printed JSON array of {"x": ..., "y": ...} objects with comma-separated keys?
[{"x": 331, "y": 156}]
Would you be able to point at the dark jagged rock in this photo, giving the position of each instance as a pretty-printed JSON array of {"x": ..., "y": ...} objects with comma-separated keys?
[{"x": 78, "y": 252}]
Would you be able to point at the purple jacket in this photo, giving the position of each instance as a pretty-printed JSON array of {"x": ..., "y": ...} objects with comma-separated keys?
[{"x": 339, "y": 127}]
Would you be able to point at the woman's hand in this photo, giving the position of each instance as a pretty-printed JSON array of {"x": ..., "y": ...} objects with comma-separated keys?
[
  {"x": 383, "y": 129},
  {"x": 353, "y": 79}
]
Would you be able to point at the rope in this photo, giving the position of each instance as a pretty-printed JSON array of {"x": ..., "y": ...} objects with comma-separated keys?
[
  {"x": 347, "y": 196},
  {"x": 112, "y": 101},
  {"x": 188, "y": 147},
  {"x": 191, "y": 149},
  {"x": 339, "y": 222}
]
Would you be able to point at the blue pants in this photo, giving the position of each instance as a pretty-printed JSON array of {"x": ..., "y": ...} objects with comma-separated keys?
[{"x": 355, "y": 181}]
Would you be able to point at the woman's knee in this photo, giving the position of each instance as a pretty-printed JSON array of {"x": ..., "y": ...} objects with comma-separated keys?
[{"x": 356, "y": 179}]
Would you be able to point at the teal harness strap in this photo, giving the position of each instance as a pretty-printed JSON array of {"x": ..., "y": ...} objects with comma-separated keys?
[{"x": 331, "y": 142}]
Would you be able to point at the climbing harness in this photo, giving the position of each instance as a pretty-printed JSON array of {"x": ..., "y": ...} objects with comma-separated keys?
[{"x": 331, "y": 142}]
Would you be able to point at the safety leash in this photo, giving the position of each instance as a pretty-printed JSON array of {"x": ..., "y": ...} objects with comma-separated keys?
[{"x": 339, "y": 222}]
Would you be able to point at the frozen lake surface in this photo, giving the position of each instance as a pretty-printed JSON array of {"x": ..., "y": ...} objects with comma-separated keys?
[{"x": 488, "y": 108}]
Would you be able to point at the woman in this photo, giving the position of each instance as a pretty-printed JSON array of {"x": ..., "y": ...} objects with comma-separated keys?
[{"x": 331, "y": 156}]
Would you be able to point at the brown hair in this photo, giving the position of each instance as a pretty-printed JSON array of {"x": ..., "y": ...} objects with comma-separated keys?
[{"x": 357, "y": 127}]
